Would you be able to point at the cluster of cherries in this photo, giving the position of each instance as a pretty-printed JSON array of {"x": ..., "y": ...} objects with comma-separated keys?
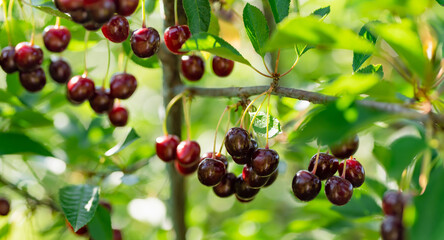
[
  {"x": 193, "y": 67},
  {"x": 306, "y": 185},
  {"x": 393, "y": 203}
]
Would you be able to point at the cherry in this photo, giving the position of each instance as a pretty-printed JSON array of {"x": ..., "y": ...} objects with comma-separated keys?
[
  {"x": 101, "y": 11},
  {"x": 92, "y": 26},
  {"x": 175, "y": 37},
  {"x": 123, "y": 85},
  {"x": 252, "y": 179},
  {"x": 126, "y": 7},
  {"x": 33, "y": 81},
  {"x": 338, "y": 190},
  {"x": 7, "y": 59},
  {"x": 101, "y": 101},
  {"x": 393, "y": 203},
  {"x": 244, "y": 200},
  {"x": 80, "y": 16},
  {"x": 116, "y": 29},
  {"x": 354, "y": 172},
  {"x": 4, "y": 207},
  {"x": 246, "y": 159},
  {"x": 117, "y": 234},
  {"x": 83, "y": 231},
  {"x": 226, "y": 186},
  {"x": 222, "y": 67},
  {"x": 346, "y": 148},
  {"x": 272, "y": 178},
  {"x": 210, "y": 172},
  {"x": 185, "y": 170},
  {"x": 118, "y": 116},
  {"x": 306, "y": 186},
  {"x": 145, "y": 42},
  {"x": 264, "y": 161},
  {"x": 166, "y": 147},
  {"x": 56, "y": 38},
  {"x": 217, "y": 156},
  {"x": 237, "y": 142},
  {"x": 392, "y": 229},
  {"x": 60, "y": 70},
  {"x": 106, "y": 205},
  {"x": 28, "y": 57},
  {"x": 243, "y": 191},
  {"x": 327, "y": 165},
  {"x": 68, "y": 5},
  {"x": 188, "y": 153},
  {"x": 80, "y": 89},
  {"x": 193, "y": 67}
]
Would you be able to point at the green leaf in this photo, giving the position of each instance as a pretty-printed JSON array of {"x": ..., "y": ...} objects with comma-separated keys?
[
  {"x": 214, "y": 25},
  {"x": 403, "y": 151},
  {"x": 215, "y": 45},
  {"x": 280, "y": 9},
  {"x": 309, "y": 30},
  {"x": 351, "y": 84},
  {"x": 150, "y": 6},
  {"x": 440, "y": 2},
  {"x": 360, "y": 58},
  {"x": 260, "y": 125},
  {"x": 151, "y": 62},
  {"x": 372, "y": 69},
  {"x": 4, "y": 231},
  {"x": 130, "y": 138},
  {"x": 9, "y": 98},
  {"x": 199, "y": 14},
  {"x": 100, "y": 226},
  {"x": 17, "y": 143},
  {"x": 256, "y": 27},
  {"x": 48, "y": 7},
  {"x": 79, "y": 204},
  {"x": 322, "y": 12}
]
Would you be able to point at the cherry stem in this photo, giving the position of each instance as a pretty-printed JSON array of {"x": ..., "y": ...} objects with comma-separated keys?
[
  {"x": 226, "y": 130},
  {"x": 217, "y": 128},
  {"x": 294, "y": 65},
  {"x": 266, "y": 67},
  {"x": 186, "y": 108},
  {"x": 11, "y": 4},
  {"x": 316, "y": 161},
  {"x": 277, "y": 62},
  {"x": 176, "y": 18},
  {"x": 143, "y": 14},
  {"x": 248, "y": 107},
  {"x": 268, "y": 119},
  {"x": 255, "y": 114},
  {"x": 345, "y": 166},
  {"x": 6, "y": 23},
  {"x": 107, "y": 66},
  {"x": 86, "y": 50},
  {"x": 168, "y": 108},
  {"x": 265, "y": 75},
  {"x": 33, "y": 23},
  {"x": 57, "y": 24}
]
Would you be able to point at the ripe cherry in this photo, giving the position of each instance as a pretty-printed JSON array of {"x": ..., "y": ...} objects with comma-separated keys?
[
  {"x": 116, "y": 29},
  {"x": 393, "y": 203},
  {"x": 101, "y": 11},
  {"x": 126, "y": 7},
  {"x": 185, "y": 170},
  {"x": 246, "y": 159},
  {"x": 175, "y": 37},
  {"x": 56, "y": 38},
  {"x": 222, "y": 67},
  {"x": 28, "y": 57},
  {"x": 193, "y": 67},
  {"x": 80, "y": 16},
  {"x": 272, "y": 178},
  {"x": 83, "y": 231},
  {"x": 264, "y": 161},
  {"x": 68, "y": 5},
  {"x": 210, "y": 172},
  {"x": 392, "y": 229},
  {"x": 188, "y": 153},
  {"x": 226, "y": 186},
  {"x": 106, "y": 205},
  {"x": 123, "y": 85},
  {"x": 4, "y": 207},
  {"x": 92, "y": 25},
  {"x": 117, "y": 234},
  {"x": 346, "y": 148},
  {"x": 118, "y": 116},
  {"x": 60, "y": 70},
  {"x": 252, "y": 179},
  {"x": 327, "y": 165},
  {"x": 33, "y": 81},
  {"x": 338, "y": 190},
  {"x": 101, "y": 101},
  {"x": 166, "y": 147},
  {"x": 217, "y": 156},
  {"x": 243, "y": 191},
  {"x": 145, "y": 42},
  {"x": 306, "y": 186},
  {"x": 237, "y": 142},
  {"x": 354, "y": 172},
  {"x": 7, "y": 59},
  {"x": 80, "y": 89}
]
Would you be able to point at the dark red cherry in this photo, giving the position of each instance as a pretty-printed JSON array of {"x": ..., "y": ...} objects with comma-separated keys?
[
  {"x": 166, "y": 147},
  {"x": 243, "y": 191},
  {"x": 210, "y": 172},
  {"x": 68, "y": 5},
  {"x": 4, "y": 207},
  {"x": 92, "y": 26},
  {"x": 116, "y": 29},
  {"x": 226, "y": 186},
  {"x": 60, "y": 70},
  {"x": 237, "y": 142},
  {"x": 252, "y": 179},
  {"x": 346, "y": 148},
  {"x": 80, "y": 89},
  {"x": 101, "y": 11},
  {"x": 272, "y": 178},
  {"x": 118, "y": 116},
  {"x": 145, "y": 42},
  {"x": 193, "y": 67},
  {"x": 123, "y": 85},
  {"x": 185, "y": 170},
  {"x": 188, "y": 153},
  {"x": 222, "y": 67},
  {"x": 126, "y": 7},
  {"x": 56, "y": 38},
  {"x": 80, "y": 16},
  {"x": 393, "y": 203},
  {"x": 175, "y": 37},
  {"x": 306, "y": 186},
  {"x": 264, "y": 161},
  {"x": 101, "y": 101},
  {"x": 354, "y": 172},
  {"x": 106, "y": 205},
  {"x": 117, "y": 234},
  {"x": 33, "y": 81},
  {"x": 241, "y": 200},
  {"x": 327, "y": 165},
  {"x": 7, "y": 59},
  {"x": 217, "y": 156},
  {"x": 28, "y": 57},
  {"x": 392, "y": 229},
  {"x": 338, "y": 190}
]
